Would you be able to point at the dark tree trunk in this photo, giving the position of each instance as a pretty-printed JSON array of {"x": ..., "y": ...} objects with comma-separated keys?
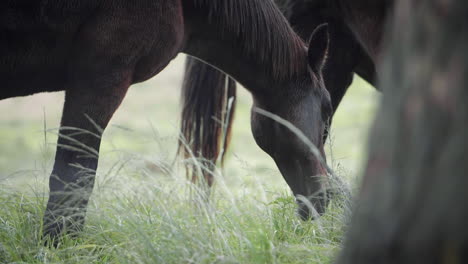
[{"x": 413, "y": 205}]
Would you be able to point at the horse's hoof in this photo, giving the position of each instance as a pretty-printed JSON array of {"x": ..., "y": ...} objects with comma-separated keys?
[{"x": 52, "y": 234}]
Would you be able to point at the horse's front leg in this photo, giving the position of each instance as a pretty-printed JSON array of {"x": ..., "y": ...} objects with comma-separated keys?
[{"x": 90, "y": 102}]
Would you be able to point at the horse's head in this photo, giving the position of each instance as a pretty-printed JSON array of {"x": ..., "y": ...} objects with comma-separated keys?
[{"x": 293, "y": 137}]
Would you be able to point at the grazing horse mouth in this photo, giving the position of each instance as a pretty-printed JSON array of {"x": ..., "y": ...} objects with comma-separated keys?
[
  {"x": 314, "y": 204},
  {"x": 307, "y": 180}
]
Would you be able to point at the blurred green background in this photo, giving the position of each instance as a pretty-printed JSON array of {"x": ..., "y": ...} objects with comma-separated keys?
[{"x": 144, "y": 130}]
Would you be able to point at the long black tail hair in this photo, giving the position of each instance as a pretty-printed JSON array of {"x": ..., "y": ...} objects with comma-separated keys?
[{"x": 208, "y": 104}]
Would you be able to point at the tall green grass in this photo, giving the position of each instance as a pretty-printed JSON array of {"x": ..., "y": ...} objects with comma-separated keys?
[
  {"x": 134, "y": 218},
  {"x": 152, "y": 214}
]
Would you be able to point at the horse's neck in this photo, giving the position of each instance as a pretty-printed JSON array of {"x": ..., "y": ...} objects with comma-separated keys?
[
  {"x": 227, "y": 55},
  {"x": 247, "y": 57},
  {"x": 367, "y": 20}
]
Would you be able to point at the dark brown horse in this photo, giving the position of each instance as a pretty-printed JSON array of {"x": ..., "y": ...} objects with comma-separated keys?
[
  {"x": 346, "y": 55},
  {"x": 94, "y": 50}
]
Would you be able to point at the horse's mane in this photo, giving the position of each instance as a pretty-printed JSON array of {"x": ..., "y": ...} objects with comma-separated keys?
[{"x": 269, "y": 35}]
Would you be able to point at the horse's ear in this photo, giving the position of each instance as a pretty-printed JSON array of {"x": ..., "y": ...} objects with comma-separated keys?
[{"x": 318, "y": 48}]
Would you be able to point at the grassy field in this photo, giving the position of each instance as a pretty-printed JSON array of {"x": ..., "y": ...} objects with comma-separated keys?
[{"x": 143, "y": 210}]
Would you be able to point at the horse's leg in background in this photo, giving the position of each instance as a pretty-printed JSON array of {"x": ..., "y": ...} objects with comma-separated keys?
[
  {"x": 343, "y": 56},
  {"x": 90, "y": 102},
  {"x": 366, "y": 70}
]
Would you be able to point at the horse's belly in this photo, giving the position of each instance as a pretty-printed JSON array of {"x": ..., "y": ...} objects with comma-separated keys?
[
  {"x": 144, "y": 34},
  {"x": 36, "y": 38},
  {"x": 31, "y": 63},
  {"x": 23, "y": 84}
]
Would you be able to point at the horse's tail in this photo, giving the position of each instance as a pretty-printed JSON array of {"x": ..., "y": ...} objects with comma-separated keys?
[{"x": 208, "y": 102}]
